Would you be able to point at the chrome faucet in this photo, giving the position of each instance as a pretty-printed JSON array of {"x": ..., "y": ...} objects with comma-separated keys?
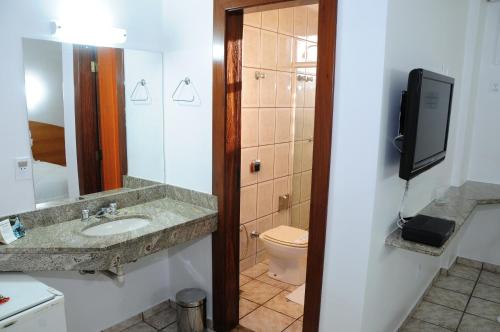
[{"x": 111, "y": 209}]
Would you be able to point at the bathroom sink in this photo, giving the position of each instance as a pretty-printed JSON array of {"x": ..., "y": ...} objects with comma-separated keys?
[{"x": 117, "y": 226}]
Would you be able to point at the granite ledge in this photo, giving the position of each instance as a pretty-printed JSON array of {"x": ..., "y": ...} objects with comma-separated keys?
[
  {"x": 62, "y": 247},
  {"x": 460, "y": 202}
]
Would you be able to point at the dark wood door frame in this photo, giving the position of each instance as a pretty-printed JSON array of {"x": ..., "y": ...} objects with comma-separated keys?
[{"x": 228, "y": 25}]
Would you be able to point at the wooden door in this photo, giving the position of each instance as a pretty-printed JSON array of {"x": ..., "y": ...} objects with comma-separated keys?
[
  {"x": 86, "y": 120},
  {"x": 112, "y": 133}
]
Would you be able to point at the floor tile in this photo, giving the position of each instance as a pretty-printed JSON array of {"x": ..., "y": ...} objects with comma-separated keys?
[
  {"x": 273, "y": 282},
  {"x": 157, "y": 308},
  {"x": 244, "y": 279},
  {"x": 472, "y": 323},
  {"x": 469, "y": 262},
  {"x": 258, "y": 292},
  {"x": 283, "y": 305},
  {"x": 171, "y": 328},
  {"x": 456, "y": 284},
  {"x": 266, "y": 320},
  {"x": 486, "y": 309},
  {"x": 256, "y": 270},
  {"x": 491, "y": 267},
  {"x": 466, "y": 272},
  {"x": 490, "y": 278},
  {"x": 301, "y": 318},
  {"x": 162, "y": 319},
  {"x": 438, "y": 315},
  {"x": 487, "y": 292},
  {"x": 417, "y": 325},
  {"x": 447, "y": 298},
  {"x": 295, "y": 327},
  {"x": 241, "y": 329},
  {"x": 247, "y": 307},
  {"x": 141, "y": 327},
  {"x": 125, "y": 324}
]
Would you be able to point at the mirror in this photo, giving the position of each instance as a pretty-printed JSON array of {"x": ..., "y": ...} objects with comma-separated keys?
[{"x": 95, "y": 118}]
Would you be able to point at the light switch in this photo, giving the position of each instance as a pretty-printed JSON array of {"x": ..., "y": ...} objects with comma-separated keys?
[{"x": 23, "y": 169}]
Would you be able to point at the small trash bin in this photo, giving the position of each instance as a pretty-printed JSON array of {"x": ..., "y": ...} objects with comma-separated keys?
[{"x": 191, "y": 310}]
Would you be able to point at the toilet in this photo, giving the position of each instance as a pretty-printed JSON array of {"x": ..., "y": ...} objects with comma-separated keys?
[{"x": 287, "y": 250}]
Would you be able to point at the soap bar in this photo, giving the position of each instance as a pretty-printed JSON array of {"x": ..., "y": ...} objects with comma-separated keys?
[{"x": 6, "y": 234}]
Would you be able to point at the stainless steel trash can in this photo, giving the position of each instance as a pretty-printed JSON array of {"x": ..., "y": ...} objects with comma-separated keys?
[{"x": 191, "y": 310}]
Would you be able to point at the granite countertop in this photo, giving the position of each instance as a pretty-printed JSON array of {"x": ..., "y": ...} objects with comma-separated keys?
[
  {"x": 177, "y": 217},
  {"x": 458, "y": 206}
]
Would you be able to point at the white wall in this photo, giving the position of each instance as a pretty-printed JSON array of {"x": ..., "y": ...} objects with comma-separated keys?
[
  {"x": 356, "y": 133},
  {"x": 43, "y": 81},
  {"x": 68, "y": 89},
  {"x": 144, "y": 119},
  {"x": 480, "y": 240},
  {"x": 95, "y": 302},
  {"x": 484, "y": 156},
  {"x": 438, "y": 45}
]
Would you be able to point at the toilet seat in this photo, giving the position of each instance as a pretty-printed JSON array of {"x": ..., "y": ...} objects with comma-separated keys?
[{"x": 287, "y": 236}]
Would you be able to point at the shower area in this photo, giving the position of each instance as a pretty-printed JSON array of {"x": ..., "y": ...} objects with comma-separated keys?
[{"x": 277, "y": 126}]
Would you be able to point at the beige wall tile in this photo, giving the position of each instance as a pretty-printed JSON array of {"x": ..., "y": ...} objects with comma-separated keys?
[
  {"x": 266, "y": 157},
  {"x": 247, "y": 263},
  {"x": 251, "y": 47},
  {"x": 307, "y": 155},
  {"x": 304, "y": 215},
  {"x": 300, "y": 22},
  {"x": 297, "y": 156},
  {"x": 298, "y": 124},
  {"x": 270, "y": 20},
  {"x": 285, "y": 21},
  {"x": 310, "y": 94},
  {"x": 305, "y": 186},
  {"x": 252, "y": 19},
  {"x": 268, "y": 49},
  {"x": 280, "y": 188},
  {"x": 312, "y": 56},
  {"x": 267, "y": 89},
  {"x": 290, "y": 160},
  {"x": 296, "y": 192},
  {"x": 281, "y": 218},
  {"x": 250, "y": 88},
  {"x": 264, "y": 198},
  {"x": 263, "y": 224},
  {"x": 249, "y": 127},
  {"x": 283, "y": 89},
  {"x": 285, "y": 54},
  {"x": 248, "y": 245},
  {"x": 267, "y": 125},
  {"x": 312, "y": 23},
  {"x": 299, "y": 95},
  {"x": 281, "y": 159},
  {"x": 248, "y": 203},
  {"x": 248, "y": 155},
  {"x": 295, "y": 216},
  {"x": 308, "y": 130},
  {"x": 283, "y": 121},
  {"x": 299, "y": 54}
]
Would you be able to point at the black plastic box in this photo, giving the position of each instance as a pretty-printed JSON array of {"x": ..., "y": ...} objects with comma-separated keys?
[{"x": 428, "y": 230}]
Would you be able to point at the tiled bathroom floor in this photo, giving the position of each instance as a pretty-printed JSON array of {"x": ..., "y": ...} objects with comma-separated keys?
[
  {"x": 263, "y": 303},
  {"x": 467, "y": 299}
]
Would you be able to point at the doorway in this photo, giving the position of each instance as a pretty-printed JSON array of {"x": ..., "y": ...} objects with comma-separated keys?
[
  {"x": 232, "y": 73},
  {"x": 100, "y": 117}
]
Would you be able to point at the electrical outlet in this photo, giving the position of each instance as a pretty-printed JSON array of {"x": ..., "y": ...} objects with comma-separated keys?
[{"x": 23, "y": 169}]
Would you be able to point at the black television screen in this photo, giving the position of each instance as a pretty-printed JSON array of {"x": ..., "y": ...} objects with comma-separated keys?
[{"x": 424, "y": 122}]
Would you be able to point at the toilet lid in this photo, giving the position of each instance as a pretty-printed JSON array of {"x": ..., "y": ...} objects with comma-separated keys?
[{"x": 288, "y": 236}]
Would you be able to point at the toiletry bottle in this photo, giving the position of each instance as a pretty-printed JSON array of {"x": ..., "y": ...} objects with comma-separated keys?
[{"x": 17, "y": 226}]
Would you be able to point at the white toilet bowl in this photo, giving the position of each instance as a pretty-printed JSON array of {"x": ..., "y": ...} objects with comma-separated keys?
[{"x": 287, "y": 250}]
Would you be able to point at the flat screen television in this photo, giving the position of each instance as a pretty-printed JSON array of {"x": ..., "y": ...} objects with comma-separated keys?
[{"x": 424, "y": 121}]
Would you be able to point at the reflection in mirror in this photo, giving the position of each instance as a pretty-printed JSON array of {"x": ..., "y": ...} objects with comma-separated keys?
[{"x": 95, "y": 115}]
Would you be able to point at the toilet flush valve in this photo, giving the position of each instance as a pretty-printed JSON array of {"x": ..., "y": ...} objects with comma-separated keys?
[{"x": 254, "y": 235}]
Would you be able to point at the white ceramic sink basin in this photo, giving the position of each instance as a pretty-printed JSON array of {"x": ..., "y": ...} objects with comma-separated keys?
[{"x": 117, "y": 226}]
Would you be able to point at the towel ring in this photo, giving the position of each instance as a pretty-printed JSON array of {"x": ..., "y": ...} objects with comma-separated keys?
[{"x": 187, "y": 82}]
